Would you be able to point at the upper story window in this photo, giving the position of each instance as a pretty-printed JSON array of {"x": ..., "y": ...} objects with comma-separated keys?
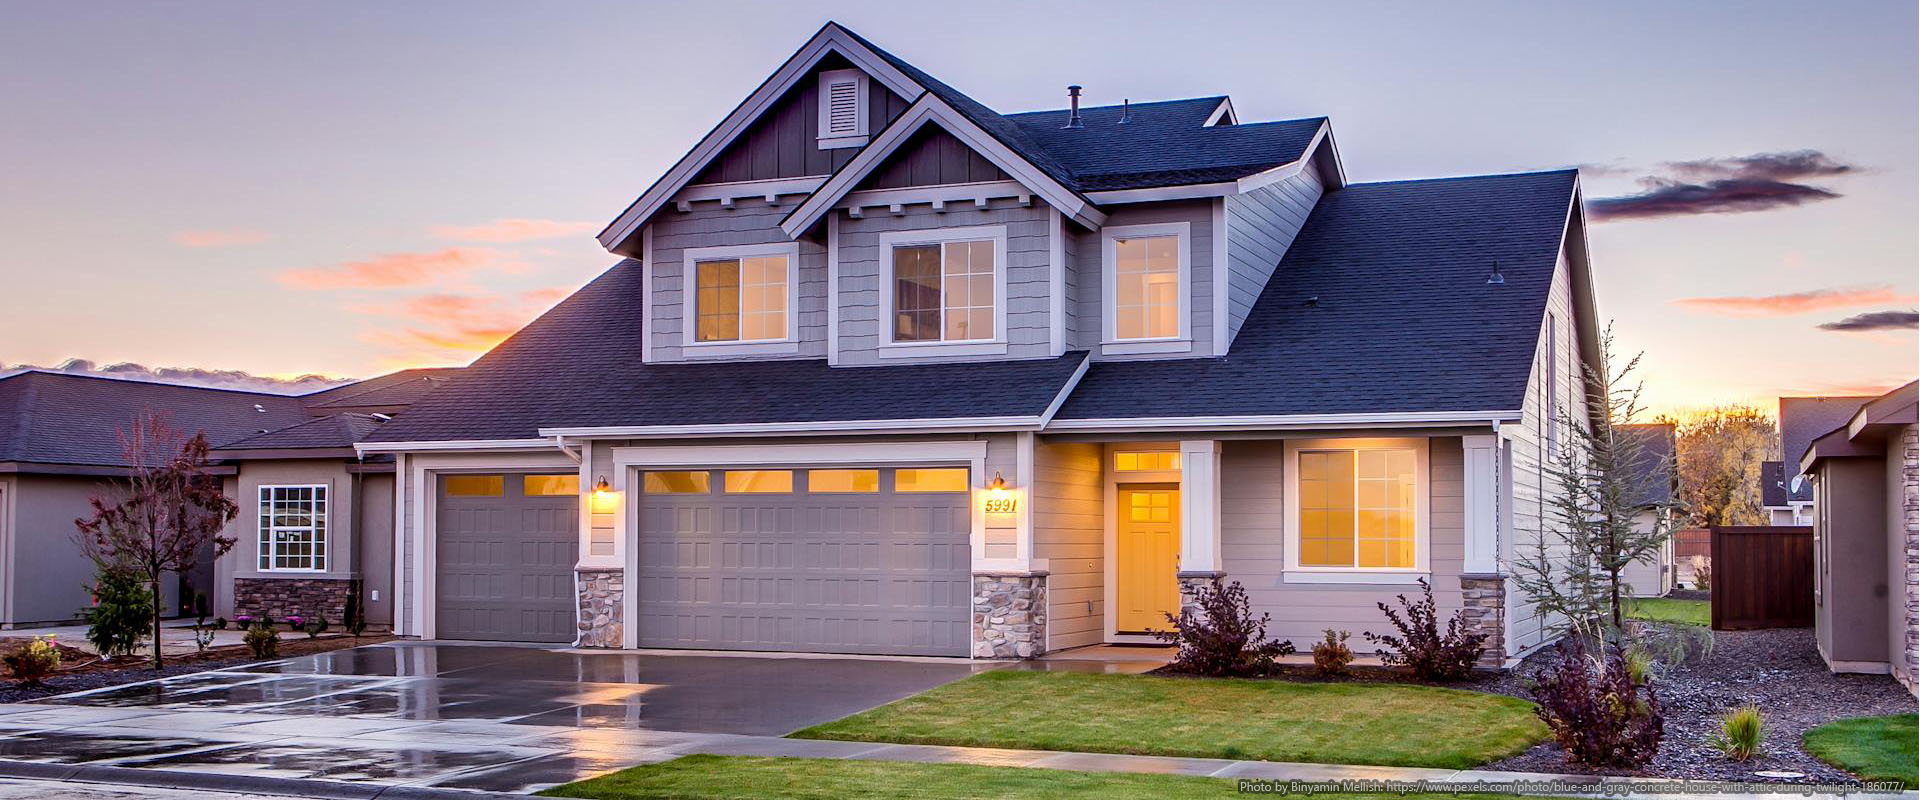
[
  {"x": 293, "y": 528},
  {"x": 740, "y": 299},
  {"x": 944, "y": 288},
  {"x": 1357, "y": 505},
  {"x": 1148, "y": 284},
  {"x": 843, "y": 109}
]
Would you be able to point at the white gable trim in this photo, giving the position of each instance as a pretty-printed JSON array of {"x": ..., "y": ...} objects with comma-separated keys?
[
  {"x": 831, "y": 39},
  {"x": 930, "y": 109},
  {"x": 1222, "y": 114}
]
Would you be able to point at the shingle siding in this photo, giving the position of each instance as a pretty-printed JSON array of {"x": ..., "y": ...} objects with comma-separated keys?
[
  {"x": 707, "y": 224},
  {"x": 1088, "y": 270}
]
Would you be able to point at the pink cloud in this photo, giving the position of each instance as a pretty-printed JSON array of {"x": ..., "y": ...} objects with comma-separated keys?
[
  {"x": 441, "y": 326},
  {"x": 1781, "y": 305},
  {"x": 501, "y": 231},
  {"x": 400, "y": 270},
  {"x": 230, "y": 237}
]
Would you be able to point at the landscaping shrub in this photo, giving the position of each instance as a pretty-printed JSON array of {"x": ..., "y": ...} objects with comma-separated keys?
[
  {"x": 316, "y": 626},
  {"x": 1702, "y": 574},
  {"x": 356, "y": 617},
  {"x": 1224, "y": 638},
  {"x": 1331, "y": 655},
  {"x": 1740, "y": 733},
  {"x": 32, "y": 664},
  {"x": 263, "y": 641},
  {"x": 121, "y": 613},
  {"x": 1597, "y": 712},
  {"x": 1421, "y": 648}
]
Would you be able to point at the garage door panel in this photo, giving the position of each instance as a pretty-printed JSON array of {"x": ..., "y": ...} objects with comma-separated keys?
[{"x": 504, "y": 565}]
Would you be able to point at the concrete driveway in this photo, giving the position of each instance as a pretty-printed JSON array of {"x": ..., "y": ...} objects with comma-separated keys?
[{"x": 455, "y": 716}]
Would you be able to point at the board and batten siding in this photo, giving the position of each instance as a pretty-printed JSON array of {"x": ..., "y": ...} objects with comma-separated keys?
[
  {"x": 1261, "y": 225},
  {"x": 784, "y": 142},
  {"x": 863, "y": 266},
  {"x": 1253, "y": 547},
  {"x": 933, "y": 157},
  {"x": 1070, "y": 533},
  {"x": 1085, "y": 259},
  {"x": 708, "y": 224},
  {"x": 1532, "y": 512}
]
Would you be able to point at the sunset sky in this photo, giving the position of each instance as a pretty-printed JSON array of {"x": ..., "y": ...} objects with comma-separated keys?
[{"x": 348, "y": 188}]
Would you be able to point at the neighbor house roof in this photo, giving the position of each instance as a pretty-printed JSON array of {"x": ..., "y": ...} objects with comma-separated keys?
[
  {"x": 1773, "y": 484},
  {"x": 49, "y": 418},
  {"x": 1803, "y": 419},
  {"x": 579, "y": 366},
  {"x": 1653, "y": 469},
  {"x": 334, "y": 431},
  {"x": 1863, "y": 431},
  {"x": 388, "y": 392},
  {"x": 1382, "y": 304}
]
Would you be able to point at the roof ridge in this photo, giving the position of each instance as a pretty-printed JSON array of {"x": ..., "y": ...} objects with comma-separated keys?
[
  {"x": 191, "y": 386},
  {"x": 1129, "y": 103},
  {"x": 1561, "y": 171}
]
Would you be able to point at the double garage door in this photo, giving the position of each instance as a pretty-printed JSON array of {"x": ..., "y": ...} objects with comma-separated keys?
[{"x": 860, "y": 560}]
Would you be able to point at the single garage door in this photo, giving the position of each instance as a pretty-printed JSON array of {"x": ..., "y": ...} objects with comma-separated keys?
[
  {"x": 811, "y": 560},
  {"x": 505, "y": 556}
]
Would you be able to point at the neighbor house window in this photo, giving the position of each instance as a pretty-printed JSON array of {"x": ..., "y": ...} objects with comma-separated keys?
[
  {"x": 1147, "y": 281},
  {"x": 740, "y": 296},
  {"x": 946, "y": 289},
  {"x": 1357, "y": 507},
  {"x": 293, "y": 528}
]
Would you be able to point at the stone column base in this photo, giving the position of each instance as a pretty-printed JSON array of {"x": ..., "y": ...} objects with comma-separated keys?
[
  {"x": 1190, "y": 585},
  {"x": 280, "y": 598},
  {"x": 1009, "y": 615},
  {"x": 602, "y": 595},
  {"x": 1484, "y": 610}
]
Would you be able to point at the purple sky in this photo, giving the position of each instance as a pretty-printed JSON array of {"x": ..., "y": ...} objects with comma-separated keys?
[{"x": 345, "y": 188}]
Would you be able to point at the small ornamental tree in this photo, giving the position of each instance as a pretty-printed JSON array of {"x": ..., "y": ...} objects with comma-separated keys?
[{"x": 163, "y": 516}]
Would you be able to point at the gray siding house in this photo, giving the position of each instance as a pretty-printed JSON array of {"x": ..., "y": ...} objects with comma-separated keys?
[{"x": 882, "y": 370}]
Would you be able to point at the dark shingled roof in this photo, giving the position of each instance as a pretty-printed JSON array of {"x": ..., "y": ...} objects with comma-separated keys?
[
  {"x": 1803, "y": 419},
  {"x": 401, "y": 388},
  {"x": 1402, "y": 317},
  {"x": 579, "y": 365},
  {"x": 1653, "y": 470},
  {"x": 55, "y": 418},
  {"x": 1164, "y": 144},
  {"x": 332, "y": 431},
  {"x": 1773, "y": 484}
]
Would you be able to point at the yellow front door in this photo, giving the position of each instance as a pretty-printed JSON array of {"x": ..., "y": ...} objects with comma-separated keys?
[{"x": 1147, "y": 538}]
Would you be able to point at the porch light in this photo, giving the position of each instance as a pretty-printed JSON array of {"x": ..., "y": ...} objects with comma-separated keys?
[
  {"x": 999, "y": 484},
  {"x": 604, "y": 500},
  {"x": 999, "y": 499},
  {"x": 602, "y": 487}
]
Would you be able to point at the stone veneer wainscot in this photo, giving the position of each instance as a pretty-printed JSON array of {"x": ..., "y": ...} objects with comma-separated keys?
[
  {"x": 1483, "y": 601},
  {"x": 601, "y": 591},
  {"x": 282, "y": 597},
  {"x": 1906, "y": 667},
  {"x": 1009, "y": 615}
]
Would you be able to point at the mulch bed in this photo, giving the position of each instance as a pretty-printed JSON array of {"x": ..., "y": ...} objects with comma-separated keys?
[{"x": 84, "y": 671}]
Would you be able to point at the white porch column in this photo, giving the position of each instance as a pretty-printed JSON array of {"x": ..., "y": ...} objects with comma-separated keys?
[
  {"x": 1483, "y": 504},
  {"x": 1200, "y": 508}
]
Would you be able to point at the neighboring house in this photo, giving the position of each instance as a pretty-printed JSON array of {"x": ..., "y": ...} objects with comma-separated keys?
[
  {"x": 60, "y": 446},
  {"x": 885, "y": 371},
  {"x": 1866, "y": 582},
  {"x": 1802, "y": 419},
  {"x": 1774, "y": 493},
  {"x": 1655, "y": 476}
]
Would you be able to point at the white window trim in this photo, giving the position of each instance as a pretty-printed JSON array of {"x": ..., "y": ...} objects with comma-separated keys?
[
  {"x": 1110, "y": 342},
  {"x": 997, "y": 345},
  {"x": 690, "y": 301},
  {"x": 1422, "y": 532},
  {"x": 322, "y": 537},
  {"x": 859, "y": 137}
]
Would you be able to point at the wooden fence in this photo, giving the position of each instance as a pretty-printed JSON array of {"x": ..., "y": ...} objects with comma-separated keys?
[{"x": 1762, "y": 577}]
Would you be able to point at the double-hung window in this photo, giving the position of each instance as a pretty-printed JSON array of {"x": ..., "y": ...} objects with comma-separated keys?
[
  {"x": 1357, "y": 505},
  {"x": 740, "y": 299},
  {"x": 1148, "y": 284},
  {"x": 293, "y": 528},
  {"x": 944, "y": 286}
]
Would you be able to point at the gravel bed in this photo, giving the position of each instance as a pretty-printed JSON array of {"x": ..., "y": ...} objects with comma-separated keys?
[
  {"x": 100, "y": 676},
  {"x": 1778, "y": 670}
]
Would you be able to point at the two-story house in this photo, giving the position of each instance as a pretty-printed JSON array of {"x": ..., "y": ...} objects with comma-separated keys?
[{"x": 882, "y": 370}]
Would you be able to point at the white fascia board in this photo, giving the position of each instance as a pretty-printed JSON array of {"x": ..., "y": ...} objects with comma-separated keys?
[
  {"x": 469, "y": 445},
  {"x": 831, "y": 39},
  {"x": 1285, "y": 171},
  {"x": 1223, "y": 111},
  {"x": 1153, "y": 194},
  {"x": 1287, "y": 421},
  {"x": 931, "y": 109},
  {"x": 826, "y": 428}
]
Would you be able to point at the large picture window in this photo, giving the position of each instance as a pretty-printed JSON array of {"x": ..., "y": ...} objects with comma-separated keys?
[
  {"x": 944, "y": 286},
  {"x": 293, "y": 528},
  {"x": 1357, "y": 507}
]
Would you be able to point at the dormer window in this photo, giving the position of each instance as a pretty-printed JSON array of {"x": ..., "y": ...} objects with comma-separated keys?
[
  {"x": 740, "y": 300},
  {"x": 843, "y": 109},
  {"x": 1147, "y": 282}
]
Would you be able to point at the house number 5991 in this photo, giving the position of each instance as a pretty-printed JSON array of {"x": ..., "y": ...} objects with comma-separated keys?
[{"x": 1000, "y": 505}]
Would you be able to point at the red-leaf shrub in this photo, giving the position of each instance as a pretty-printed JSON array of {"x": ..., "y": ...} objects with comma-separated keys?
[
  {"x": 1600, "y": 716},
  {"x": 1420, "y": 647},
  {"x": 1224, "y": 638}
]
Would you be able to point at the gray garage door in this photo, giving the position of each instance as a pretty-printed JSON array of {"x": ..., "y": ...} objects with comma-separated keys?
[
  {"x": 772, "y": 560},
  {"x": 505, "y": 557}
]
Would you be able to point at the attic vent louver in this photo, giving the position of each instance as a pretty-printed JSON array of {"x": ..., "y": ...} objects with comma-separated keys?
[
  {"x": 842, "y": 103},
  {"x": 843, "y": 108},
  {"x": 1073, "y": 113}
]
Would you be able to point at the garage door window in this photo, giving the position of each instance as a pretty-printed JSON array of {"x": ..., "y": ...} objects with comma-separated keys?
[
  {"x": 843, "y": 481},
  {"x": 473, "y": 485},
  {"x": 549, "y": 485},
  {"x": 929, "y": 480},
  {"x": 293, "y": 528},
  {"x": 759, "y": 481},
  {"x": 674, "y": 483}
]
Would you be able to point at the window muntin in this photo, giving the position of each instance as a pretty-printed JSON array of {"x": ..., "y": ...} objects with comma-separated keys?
[
  {"x": 293, "y": 528},
  {"x": 1146, "y": 461},
  {"x": 675, "y": 482},
  {"x": 843, "y": 481},
  {"x": 549, "y": 485},
  {"x": 473, "y": 485},
  {"x": 927, "y": 481},
  {"x": 1358, "y": 508},
  {"x": 740, "y": 299},
  {"x": 944, "y": 292},
  {"x": 759, "y": 481},
  {"x": 1146, "y": 290}
]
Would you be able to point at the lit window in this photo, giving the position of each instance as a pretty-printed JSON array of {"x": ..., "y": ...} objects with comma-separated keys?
[
  {"x": 1150, "y": 506},
  {"x": 473, "y": 485},
  {"x": 1153, "y": 460},
  {"x": 1146, "y": 289},
  {"x": 549, "y": 485},
  {"x": 843, "y": 481},
  {"x": 1357, "y": 508},
  {"x": 293, "y": 528},
  {"x": 741, "y": 299},
  {"x": 759, "y": 481},
  {"x": 674, "y": 483},
  {"x": 930, "y": 480},
  {"x": 943, "y": 292}
]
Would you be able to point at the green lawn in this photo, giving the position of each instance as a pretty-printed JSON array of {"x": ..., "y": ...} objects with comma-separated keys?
[
  {"x": 1667, "y": 609},
  {"x": 1874, "y": 748},
  {"x": 829, "y": 779},
  {"x": 1332, "y": 723}
]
